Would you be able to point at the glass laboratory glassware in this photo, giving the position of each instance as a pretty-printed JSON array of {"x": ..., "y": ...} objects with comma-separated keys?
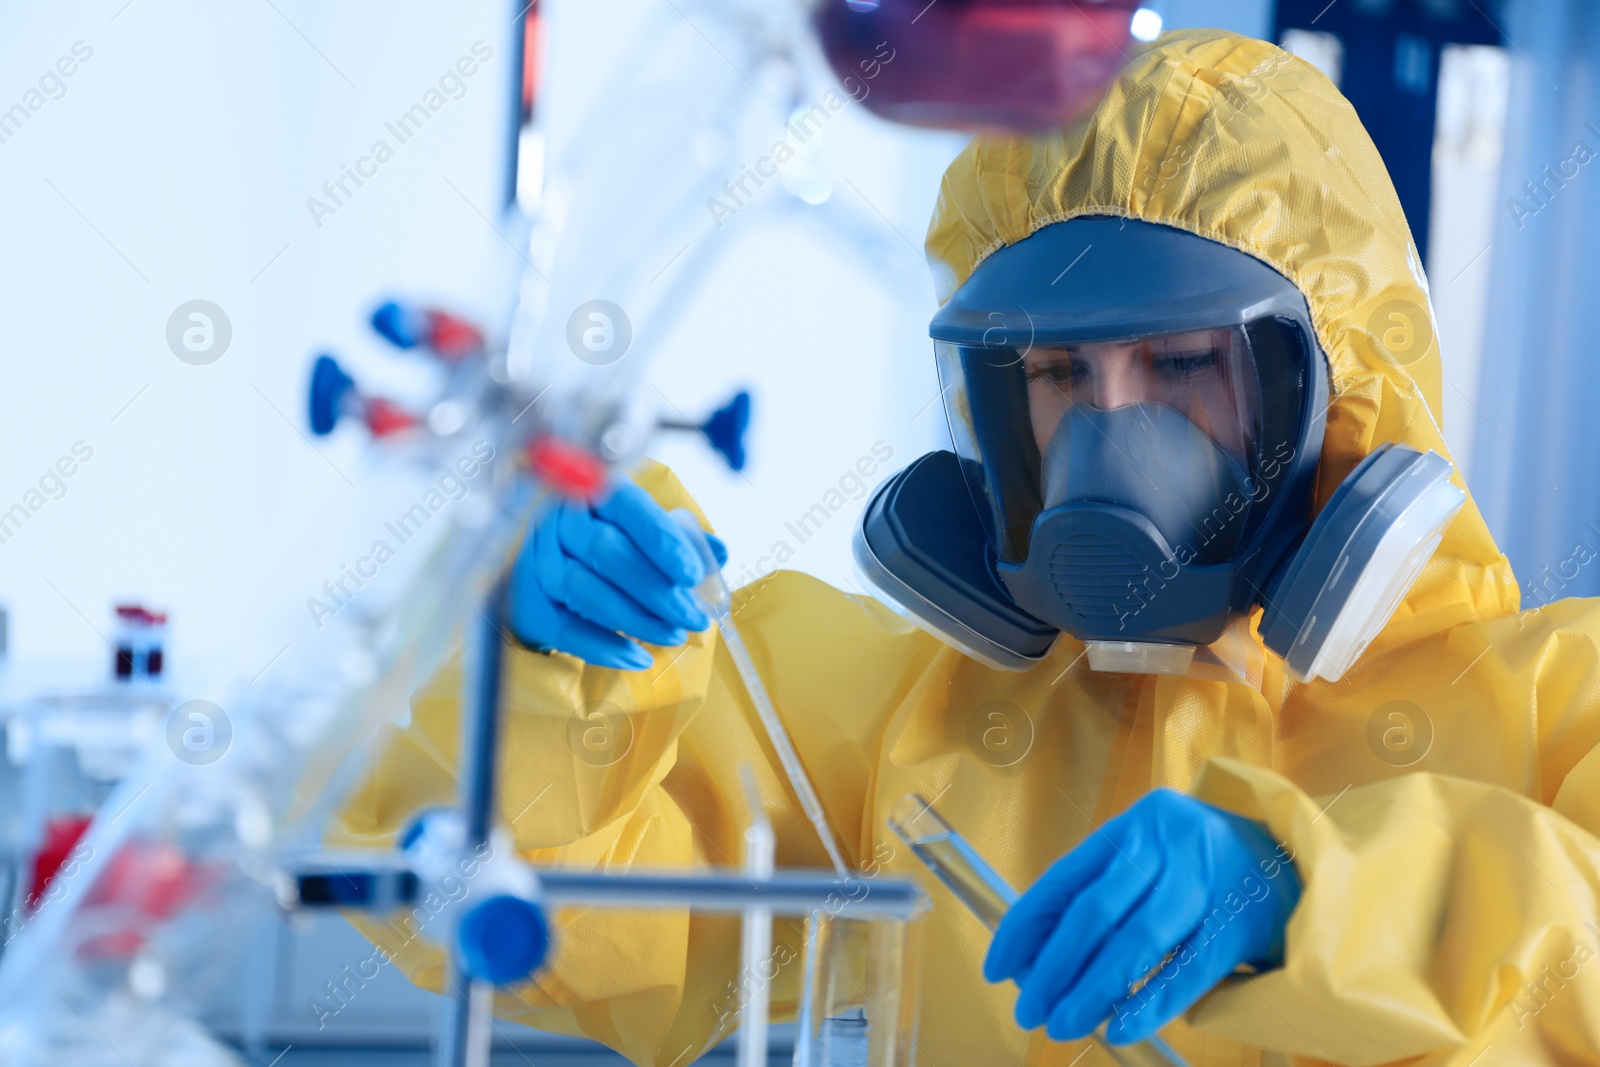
[
  {"x": 859, "y": 1006},
  {"x": 977, "y": 64}
]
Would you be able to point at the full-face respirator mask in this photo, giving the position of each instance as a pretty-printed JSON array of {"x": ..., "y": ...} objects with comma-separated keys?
[{"x": 1138, "y": 415}]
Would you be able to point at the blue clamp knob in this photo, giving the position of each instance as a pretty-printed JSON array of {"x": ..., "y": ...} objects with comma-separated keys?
[
  {"x": 329, "y": 384},
  {"x": 726, "y": 427},
  {"x": 401, "y": 326},
  {"x": 503, "y": 940}
]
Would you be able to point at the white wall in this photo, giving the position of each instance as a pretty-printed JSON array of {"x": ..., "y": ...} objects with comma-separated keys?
[
  {"x": 1467, "y": 149},
  {"x": 176, "y": 166}
]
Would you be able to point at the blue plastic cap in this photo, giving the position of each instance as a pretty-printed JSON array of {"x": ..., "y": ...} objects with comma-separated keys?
[
  {"x": 726, "y": 427},
  {"x": 401, "y": 326},
  {"x": 329, "y": 383},
  {"x": 503, "y": 940}
]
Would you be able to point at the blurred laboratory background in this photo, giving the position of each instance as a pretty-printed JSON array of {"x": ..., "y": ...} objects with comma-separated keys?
[{"x": 199, "y": 209}]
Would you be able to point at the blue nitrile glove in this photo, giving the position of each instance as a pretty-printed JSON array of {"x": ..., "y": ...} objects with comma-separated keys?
[
  {"x": 1170, "y": 877},
  {"x": 594, "y": 581}
]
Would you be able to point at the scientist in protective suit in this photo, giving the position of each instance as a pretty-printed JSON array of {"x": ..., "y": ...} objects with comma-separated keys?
[{"x": 1283, "y": 769}]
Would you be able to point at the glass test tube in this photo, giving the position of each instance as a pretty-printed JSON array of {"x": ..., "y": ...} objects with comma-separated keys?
[{"x": 989, "y": 896}]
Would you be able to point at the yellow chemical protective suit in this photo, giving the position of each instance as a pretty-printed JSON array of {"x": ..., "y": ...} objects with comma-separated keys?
[{"x": 1442, "y": 801}]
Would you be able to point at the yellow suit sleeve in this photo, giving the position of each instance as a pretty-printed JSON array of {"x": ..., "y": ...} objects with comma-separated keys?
[{"x": 1450, "y": 907}]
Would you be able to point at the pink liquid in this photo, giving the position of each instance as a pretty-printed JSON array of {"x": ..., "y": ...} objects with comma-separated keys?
[{"x": 1022, "y": 65}]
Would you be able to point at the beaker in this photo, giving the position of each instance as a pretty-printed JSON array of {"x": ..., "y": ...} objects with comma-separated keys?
[{"x": 859, "y": 1006}]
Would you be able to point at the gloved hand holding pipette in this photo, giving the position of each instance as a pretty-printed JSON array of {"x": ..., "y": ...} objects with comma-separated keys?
[
  {"x": 595, "y": 581},
  {"x": 591, "y": 580}
]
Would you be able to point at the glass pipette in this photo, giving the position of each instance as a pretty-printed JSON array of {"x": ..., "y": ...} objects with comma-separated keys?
[
  {"x": 989, "y": 896},
  {"x": 718, "y": 602}
]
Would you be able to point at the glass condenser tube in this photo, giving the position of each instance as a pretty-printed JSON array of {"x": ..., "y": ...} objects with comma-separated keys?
[{"x": 989, "y": 896}]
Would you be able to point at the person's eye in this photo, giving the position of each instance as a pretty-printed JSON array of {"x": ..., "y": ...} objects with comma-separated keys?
[
  {"x": 1063, "y": 373},
  {"x": 1187, "y": 364}
]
